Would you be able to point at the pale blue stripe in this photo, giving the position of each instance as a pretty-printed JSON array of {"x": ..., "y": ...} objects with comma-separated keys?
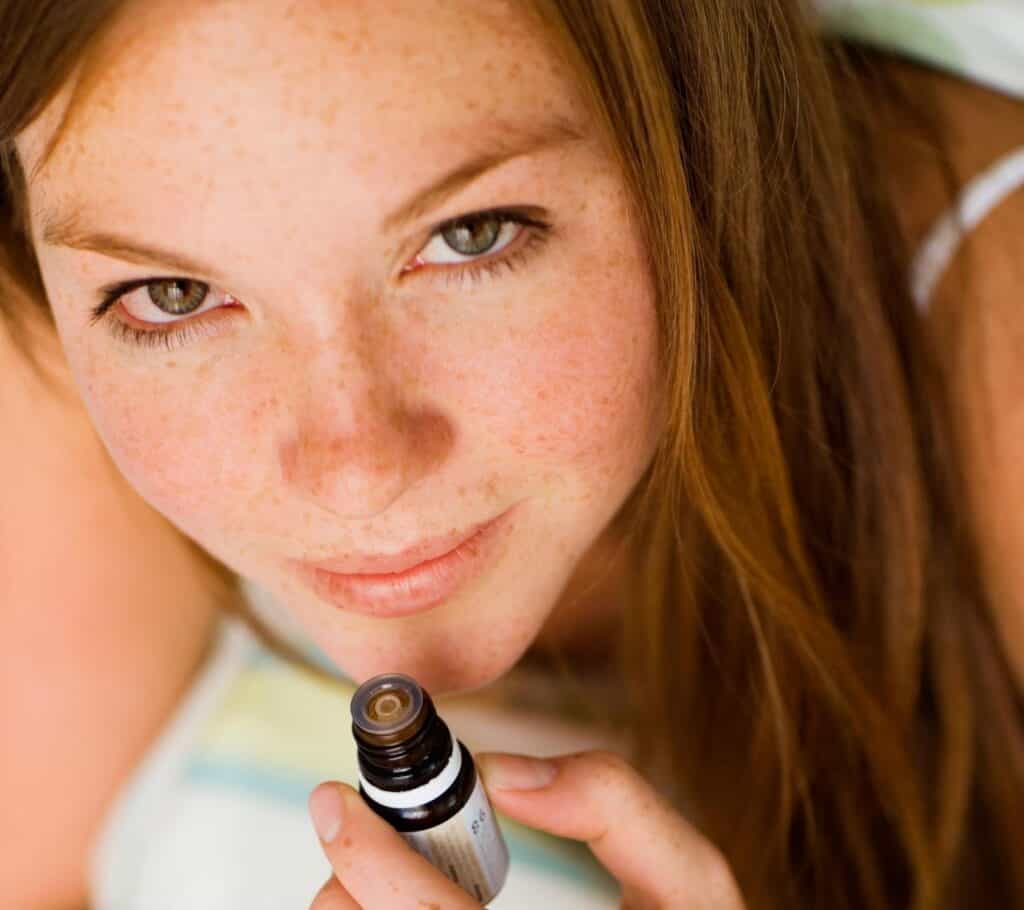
[
  {"x": 280, "y": 784},
  {"x": 563, "y": 859},
  {"x": 566, "y": 859}
]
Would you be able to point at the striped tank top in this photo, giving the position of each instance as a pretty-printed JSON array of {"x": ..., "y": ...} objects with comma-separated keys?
[{"x": 215, "y": 815}]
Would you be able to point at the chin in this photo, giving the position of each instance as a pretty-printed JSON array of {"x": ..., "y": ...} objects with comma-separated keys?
[{"x": 440, "y": 670}]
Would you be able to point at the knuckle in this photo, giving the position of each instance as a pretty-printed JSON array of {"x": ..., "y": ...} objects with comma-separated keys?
[
  {"x": 610, "y": 763},
  {"x": 614, "y": 772}
]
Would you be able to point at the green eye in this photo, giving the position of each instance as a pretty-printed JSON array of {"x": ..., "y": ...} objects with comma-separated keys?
[
  {"x": 473, "y": 236},
  {"x": 177, "y": 296}
]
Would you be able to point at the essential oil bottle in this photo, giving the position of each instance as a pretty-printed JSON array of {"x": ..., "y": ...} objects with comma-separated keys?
[{"x": 420, "y": 779}]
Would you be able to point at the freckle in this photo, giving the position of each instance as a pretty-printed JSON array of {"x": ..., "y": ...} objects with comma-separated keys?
[{"x": 348, "y": 840}]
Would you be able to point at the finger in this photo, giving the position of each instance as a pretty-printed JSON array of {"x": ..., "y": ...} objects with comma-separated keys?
[
  {"x": 372, "y": 861},
  {"x": 333, "y": 896},
  {"x": 597, "y": 797}
]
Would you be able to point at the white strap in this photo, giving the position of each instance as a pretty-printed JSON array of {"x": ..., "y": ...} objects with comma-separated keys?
[{"x": 974, "y": 202}]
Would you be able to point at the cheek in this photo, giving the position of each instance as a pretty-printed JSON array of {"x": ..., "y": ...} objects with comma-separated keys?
[
  {"x": 169, "y": 437},
  {"x": 574, "y": 387},
  {"x": 165, "y": 432}
]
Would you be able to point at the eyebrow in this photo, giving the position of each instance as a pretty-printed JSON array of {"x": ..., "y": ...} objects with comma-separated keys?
[{"x": 507, "y": 142}]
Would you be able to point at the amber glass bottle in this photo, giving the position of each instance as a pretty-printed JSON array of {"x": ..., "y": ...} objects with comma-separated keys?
[{"x": 423, "y": 782}]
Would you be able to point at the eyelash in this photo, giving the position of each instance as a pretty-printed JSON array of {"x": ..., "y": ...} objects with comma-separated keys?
[{"x": 187, "y": 330}]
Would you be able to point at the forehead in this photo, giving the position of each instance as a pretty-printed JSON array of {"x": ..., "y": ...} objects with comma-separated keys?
[{"x": 193, "y": 92}]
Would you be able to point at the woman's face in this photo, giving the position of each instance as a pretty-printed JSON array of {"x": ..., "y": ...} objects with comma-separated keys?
[{"x": 346, "y": 385}]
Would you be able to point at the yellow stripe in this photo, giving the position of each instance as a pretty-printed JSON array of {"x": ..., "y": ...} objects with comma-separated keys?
[{"x": 283, "y": 716}]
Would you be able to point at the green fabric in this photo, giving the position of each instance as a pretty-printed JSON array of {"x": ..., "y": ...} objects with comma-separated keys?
[{"x": 981, "y": 40}]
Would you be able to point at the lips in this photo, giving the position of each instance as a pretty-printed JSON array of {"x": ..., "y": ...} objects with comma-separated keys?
[
  {"x": 388, "y": 564},
  {"x": 415, "y": 579}
]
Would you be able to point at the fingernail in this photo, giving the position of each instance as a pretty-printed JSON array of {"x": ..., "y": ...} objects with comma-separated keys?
[
  {"x": 516, "y": 772},
  {"x": 326, "y": 806}
]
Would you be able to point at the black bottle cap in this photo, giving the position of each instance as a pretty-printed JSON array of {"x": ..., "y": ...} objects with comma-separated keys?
[{"x": 388, "y": 709}]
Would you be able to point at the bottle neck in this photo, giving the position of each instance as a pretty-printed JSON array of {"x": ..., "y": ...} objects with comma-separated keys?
[{"x": 408, "y": 763}]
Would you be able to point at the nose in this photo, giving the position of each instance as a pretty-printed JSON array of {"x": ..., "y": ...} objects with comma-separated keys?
[{"x": 360, "y": 440}]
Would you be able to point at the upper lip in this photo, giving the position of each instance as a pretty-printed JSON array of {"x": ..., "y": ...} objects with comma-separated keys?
[{"x": 393, "y": 563}]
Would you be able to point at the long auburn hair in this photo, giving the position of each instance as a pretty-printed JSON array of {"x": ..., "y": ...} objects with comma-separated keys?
[{"x": 810, "y": 662}]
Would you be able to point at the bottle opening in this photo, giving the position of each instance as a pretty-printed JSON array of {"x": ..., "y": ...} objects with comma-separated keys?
[{"x": 386, "y": 704}]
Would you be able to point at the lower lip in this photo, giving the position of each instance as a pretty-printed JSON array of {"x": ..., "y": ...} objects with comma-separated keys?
[{"x": 418, "y": 589}]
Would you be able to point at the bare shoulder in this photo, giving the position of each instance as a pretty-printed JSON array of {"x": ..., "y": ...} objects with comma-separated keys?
[
  {"x": 974, "y": 321},
  {"x": 107, "y": 612},
  {"x": 978, "y": 126},
  {"x": 986, "y": 274},
  {"x": 981, "y": 126}
]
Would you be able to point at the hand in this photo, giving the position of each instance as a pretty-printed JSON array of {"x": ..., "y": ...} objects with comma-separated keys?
[{"x": 660, "y": 860}]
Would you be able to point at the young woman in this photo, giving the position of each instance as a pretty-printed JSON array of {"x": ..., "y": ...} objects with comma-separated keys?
[{"x": 608, "y": 302}]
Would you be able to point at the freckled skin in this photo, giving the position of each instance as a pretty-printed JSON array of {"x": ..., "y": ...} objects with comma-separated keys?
[{"x": 340, "y": 408}]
